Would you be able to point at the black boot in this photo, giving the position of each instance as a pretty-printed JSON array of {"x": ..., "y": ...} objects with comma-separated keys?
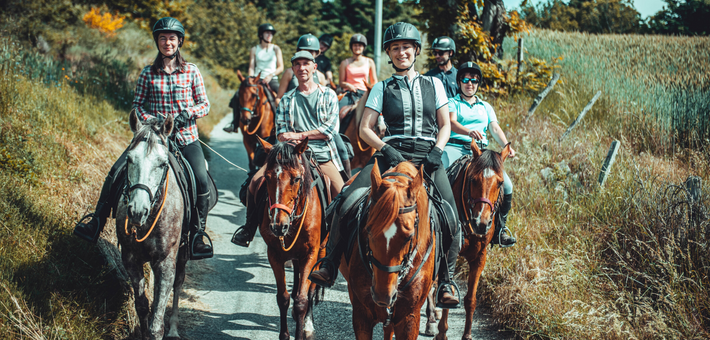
[
  {"x": 327, "y": 273},
  {"x": 501, "y": 237},
  {"x": 245, "y": 234},
  {"x": 91, "y": 230},
  {"x": 198, "y": 248},
  {"x": 448, "y": 295}
]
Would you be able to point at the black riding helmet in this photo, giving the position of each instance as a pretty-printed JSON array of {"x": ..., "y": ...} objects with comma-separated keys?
[
  {"x": 402, "y": 31},
  {"x": 326, "y": 39},
  {"x": 444, "y": 44},
  {"x": 168, "y": 24},
  {"x": 358, "y": 38},
  {"x": 266, "y": 27},
  {"x": 468, "y": 67},
  {"x": 308, "y": 42}
]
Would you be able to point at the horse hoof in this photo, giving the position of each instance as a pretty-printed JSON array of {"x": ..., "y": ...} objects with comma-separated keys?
[
  {"x": 430, "y": 329},
  {"x": 172, "y": 338},
  {"x": 441, "y": 337},
  {"x": 310, "y": 335},
  {"x": 284, "y": 336}
]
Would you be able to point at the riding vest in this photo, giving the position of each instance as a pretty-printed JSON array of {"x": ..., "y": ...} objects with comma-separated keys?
[{"x": 409, "y": 112}]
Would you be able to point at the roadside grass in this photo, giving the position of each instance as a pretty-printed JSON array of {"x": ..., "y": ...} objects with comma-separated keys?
[{"x": 627, "y": 261}]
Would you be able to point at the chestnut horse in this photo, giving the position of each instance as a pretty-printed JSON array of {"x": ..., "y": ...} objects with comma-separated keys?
[
  {"x": 363, "y": 152},
  {"x": 292, "y": 230},
  {"x": 256, "y": 113},
  {"x": 152, "y": 209},
  {"x": 476, "y": 190},
  {"x": 391, "y": 266}
]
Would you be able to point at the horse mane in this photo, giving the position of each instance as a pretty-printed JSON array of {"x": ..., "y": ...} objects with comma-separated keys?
[
  {"x": 488, "y": 159},
  {"x": 283, "y": 153},
  {"x": 386, "y": 209},
  {"x": 150, "y": 127}
]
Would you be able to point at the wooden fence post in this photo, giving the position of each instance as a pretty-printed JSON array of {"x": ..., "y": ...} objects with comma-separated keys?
[
  {"x": 693, "y": 185},
  {"x": 581, "y": 115},
  {"x": 542, "y": 95},
  {"x": 608, "y": 162},
  {"x": 521, "y": 54}
]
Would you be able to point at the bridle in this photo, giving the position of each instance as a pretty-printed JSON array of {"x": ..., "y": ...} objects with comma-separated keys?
[
  {"x": 291, "y": 212},
  {"x": 469, "y": 202},
  {"x": 253, "y": 110}
]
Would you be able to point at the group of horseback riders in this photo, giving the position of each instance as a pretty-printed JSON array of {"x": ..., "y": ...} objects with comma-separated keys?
[{"x": 431, "y": 121}]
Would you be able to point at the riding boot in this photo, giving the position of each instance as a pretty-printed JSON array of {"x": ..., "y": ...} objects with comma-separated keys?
[
  {"x": 91, "y": 230},
  {"x": 245, "y": 234},
  {"x": 448, "y": 293},
  {"x": 500, "y": 236},
  {"x": 327, "y": 273},
  {"x": 198, "y": 248}
]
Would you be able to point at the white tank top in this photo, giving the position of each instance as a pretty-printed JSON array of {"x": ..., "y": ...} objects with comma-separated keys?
[{"x": 265, "y": 59}]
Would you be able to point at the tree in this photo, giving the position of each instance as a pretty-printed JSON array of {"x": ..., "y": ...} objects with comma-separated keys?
[
  {"x": 593, "y": 16},
  {"x": 686, "y": 17}
]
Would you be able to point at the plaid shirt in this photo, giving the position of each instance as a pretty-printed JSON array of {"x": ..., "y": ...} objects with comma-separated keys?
[
  {"x": 182, "y": 90},
  {"x": 327, "y": 112}
]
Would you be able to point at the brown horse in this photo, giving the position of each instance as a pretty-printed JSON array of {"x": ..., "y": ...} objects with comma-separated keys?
[
  {"x": 256, "y": 113},
  {"x": 390, "y": 269},
  {"x": 476, "y": 190},
  {"x": 363, "y": 151},
  {"x": 292, "y": 230}
]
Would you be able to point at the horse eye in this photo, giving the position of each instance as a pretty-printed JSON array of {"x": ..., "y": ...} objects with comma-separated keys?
[{"x": 295, "y": 180}]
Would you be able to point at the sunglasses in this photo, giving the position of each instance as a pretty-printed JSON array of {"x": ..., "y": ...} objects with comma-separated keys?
[
  {"x": 440, "y": 53},
  {"x": 472, "y": 80}
]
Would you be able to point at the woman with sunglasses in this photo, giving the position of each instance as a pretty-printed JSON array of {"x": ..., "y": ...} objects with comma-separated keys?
[{"x": 473, "y": 118}]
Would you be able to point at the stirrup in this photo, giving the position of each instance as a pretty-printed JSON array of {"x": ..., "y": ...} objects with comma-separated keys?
[
  {"x": 500, "y": 244},
  {"x": 448, "y": 305},
  {"x": 200, "y": 256},
  {"x": 321, "y": 283},
  {"x": 240, "y": 243},
  {"x": 89, "y": 238}
]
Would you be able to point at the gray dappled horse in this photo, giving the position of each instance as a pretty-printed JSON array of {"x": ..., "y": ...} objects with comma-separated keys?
[{"x": 149, "y": 225}]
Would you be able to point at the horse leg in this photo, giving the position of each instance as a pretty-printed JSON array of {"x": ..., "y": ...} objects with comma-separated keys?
[
  {"x": 309, "y": 326},
  {"x": 475, "y": 270},
  {"x": 443, "y": 325},
  {"x": 135, "y": 272},
  {"x": 177, "y": 290},
  {"x": 407, "y": 328},
  {"x": 430, "y": 313},
  {"x": 250, "y": 146},
  {"x": 362, "y": 319},
  {"x": 282, "y": 295},
  {"x": 164, "y": 279},
  {"x": 296, "y": 286},
  {"x": 302, "y": 297}
]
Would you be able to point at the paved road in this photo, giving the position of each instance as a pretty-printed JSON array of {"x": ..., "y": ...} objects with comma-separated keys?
[{"x": 233, "y": 295}]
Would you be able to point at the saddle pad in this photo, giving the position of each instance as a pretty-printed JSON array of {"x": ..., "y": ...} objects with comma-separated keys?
[{"x": 456, "y": 167}]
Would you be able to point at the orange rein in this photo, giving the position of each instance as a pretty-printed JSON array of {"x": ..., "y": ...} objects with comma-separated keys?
[
  {"x": 261, "y": 116},
  {"x": 165, "y": 194},
  {"x": 300, "y": 226}
]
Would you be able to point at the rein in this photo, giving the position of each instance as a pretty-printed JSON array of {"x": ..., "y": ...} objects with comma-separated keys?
[
  {"x": 253, "y": 111},
  {"x": 165, "y": 195}
]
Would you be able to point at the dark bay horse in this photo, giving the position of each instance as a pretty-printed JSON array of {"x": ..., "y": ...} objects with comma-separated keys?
[
  {"x": 476, "y": 190},
  {"x": 256, "y": 113},
  {"x": 363, "y": 152},
  {"x": 149, "y": 222},
  {"x": 292, "y": 230},
  {"x": 390, "y": 269}
]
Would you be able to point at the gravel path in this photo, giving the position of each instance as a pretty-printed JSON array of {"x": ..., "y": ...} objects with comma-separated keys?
[{"x": 233, "y": 295}]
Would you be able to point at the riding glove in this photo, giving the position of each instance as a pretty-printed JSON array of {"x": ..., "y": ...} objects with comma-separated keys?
[
  {"x": 181, "y": 119},
  {"x": 432, "y": 162},
  {"x": 392, "y": 156}
]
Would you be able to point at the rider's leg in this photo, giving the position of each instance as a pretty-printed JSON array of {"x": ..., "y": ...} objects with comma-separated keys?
[
  {"x": 255, "y": 209},
  {"x": 448, "y": 296},
  {"x": 194, "y": 155},
  {"x": 501, "y": 236},
  {"x": 90, "y": 230},
  {"x": 328, "y": 271},
  {"x": 336, "y": 181},
  {"x": 234, "y": 104},
  {"x": 343, "y": 154}
]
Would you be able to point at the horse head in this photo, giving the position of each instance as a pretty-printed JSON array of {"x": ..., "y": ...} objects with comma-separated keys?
[
  {"x": 250, "y": 97},
  {"x": 483, "y": 179},
  {"x": 396, "y": 204},
  {"x": 147, "y": 166},
  {"x": 288, "y": 180}
]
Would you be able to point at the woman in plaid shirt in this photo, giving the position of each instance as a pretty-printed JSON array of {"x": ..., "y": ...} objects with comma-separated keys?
[{"x": 171, "y": 86}]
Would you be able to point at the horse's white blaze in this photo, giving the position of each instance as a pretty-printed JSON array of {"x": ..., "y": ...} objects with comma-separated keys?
[
  {"x": 389, "y": 234},
  {"x": 488, "y": 173},
  {"x": 478, "y": 218},
  {"x": 278, "y": 172}
]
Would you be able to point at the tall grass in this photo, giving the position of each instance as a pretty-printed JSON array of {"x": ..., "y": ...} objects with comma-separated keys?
[{"x": 627, "y": 261}]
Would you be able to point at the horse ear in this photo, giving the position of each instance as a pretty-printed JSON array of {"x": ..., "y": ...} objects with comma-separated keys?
[
  {"x": 302, "y": 146},
  {"x": 258, "y": 76},
  {"x": 134, "y": 122},
  {"x": 168, "y": 125},
  {"x": 504, "y": 154},
  {"x": 375, "y": 178},
  {"x": 475, "y": 150},
  {"x": 418, "y": 181},
  {"x": 264, "y": 144},
  {"x": 239, "y": 74}
]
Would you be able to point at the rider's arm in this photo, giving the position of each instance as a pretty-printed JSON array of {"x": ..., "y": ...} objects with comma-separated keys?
[
  {"x": 329, "y": 77},
  {"x": 252, "y": 61},
  {"x": 369, "y": 117},
  {"x": 499, "y": 136},
  {"x": 321, "y": 78},
  {"x": 279, "y": 61},
  {"x": 199, "y": 95},
  {"x": 283, "y": 84},
  {"x": 141, "y": 95},
  {"x": 373, "y": 72},
  {"x": 442, "y": 114}
]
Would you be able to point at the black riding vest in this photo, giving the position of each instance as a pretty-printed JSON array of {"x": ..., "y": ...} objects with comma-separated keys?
[{"x": 410, "y": 112}]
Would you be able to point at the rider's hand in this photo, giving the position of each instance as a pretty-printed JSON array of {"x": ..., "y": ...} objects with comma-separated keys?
[
  {"x": 349, "y": 87},
  {"x": 290, "y": 136},
  {"x": 267, "y": 79},
  {"x": 392, "y": 156},
  {"x": 181, "y": 119},
  {"x": 432, "y": 162},
  {"x": 477, "y": 135}
]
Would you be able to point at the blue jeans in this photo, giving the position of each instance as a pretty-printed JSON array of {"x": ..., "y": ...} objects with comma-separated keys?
[{"x": 452, "y": 152}]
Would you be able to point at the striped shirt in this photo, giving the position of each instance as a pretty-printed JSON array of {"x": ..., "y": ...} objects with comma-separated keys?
[{"x": 182, "y": 90}]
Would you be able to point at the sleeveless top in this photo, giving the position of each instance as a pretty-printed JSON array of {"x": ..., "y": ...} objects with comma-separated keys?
[
  {"x": 265, "y": 60},
  {"x": 294, "y": 82},
  {"x": 356, "y": 76},
  {"x": 410, "y": 112}
]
